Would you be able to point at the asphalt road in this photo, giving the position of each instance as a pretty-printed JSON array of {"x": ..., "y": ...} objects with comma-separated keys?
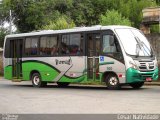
[{"x": 23, "y": 98}]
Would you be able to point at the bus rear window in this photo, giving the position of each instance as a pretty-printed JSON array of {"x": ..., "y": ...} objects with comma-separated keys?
[{"x": 7, "y": 49}]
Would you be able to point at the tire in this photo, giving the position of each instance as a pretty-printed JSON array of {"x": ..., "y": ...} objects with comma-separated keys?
[
  {"x": 136, "y": 85},
  {"x": 36, "y": 81},
  {"x": 112, "y": 82},
  {"x": 63, "y": 84}
]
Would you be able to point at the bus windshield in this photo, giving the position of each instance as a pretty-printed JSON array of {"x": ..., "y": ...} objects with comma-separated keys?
[{"x": 134, "y": 42}]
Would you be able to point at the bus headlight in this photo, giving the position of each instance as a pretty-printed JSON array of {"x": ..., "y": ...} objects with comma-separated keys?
[{"x": 133, "y": 65}]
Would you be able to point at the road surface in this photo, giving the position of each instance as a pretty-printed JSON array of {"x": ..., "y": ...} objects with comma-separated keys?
[{"x": 21, "y": 97}]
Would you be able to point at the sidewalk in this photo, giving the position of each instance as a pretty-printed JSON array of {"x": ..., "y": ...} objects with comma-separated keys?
[{"x": 152, "y": 83}]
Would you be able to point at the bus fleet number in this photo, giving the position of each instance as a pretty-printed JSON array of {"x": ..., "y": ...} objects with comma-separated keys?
[{"x": 109, "y": 68}]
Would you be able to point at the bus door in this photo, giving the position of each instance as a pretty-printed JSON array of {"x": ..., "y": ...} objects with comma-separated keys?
[
  {"x": 16, "y": 55},
  {"x": 93, "y": 51}
]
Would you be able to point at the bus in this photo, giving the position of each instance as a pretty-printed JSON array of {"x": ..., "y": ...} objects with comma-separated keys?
[{"x": 109, "y": 55}]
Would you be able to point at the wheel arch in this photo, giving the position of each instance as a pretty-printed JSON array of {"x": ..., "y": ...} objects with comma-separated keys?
[
  {"x": 106, "y": 74},
  {"x": 32, "y": 72}
]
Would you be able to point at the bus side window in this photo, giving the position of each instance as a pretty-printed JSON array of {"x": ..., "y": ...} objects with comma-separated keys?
[
  {"x": 34, "y": 46},
  {"x": 71, "y": 44},
  {"x": 48, "y": 45},
  {"x": 31, "y": 46},
  {"x": 111, "y": 46},
  {"x": 7, "y": 51}
]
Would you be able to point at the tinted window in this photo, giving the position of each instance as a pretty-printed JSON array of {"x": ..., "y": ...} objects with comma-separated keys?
[
  {"x": 111, "y": 47},
  {"x": 48, "y": 45},
  {"x": 31, "y": 46},
  {"x": 72, "y": 44},
  {"x": 7, "y": 49},
  {"x": 109, "y": 44}
]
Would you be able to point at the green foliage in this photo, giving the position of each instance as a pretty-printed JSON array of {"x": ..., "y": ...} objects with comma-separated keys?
[
  {"x": 155, "y": 28},
  {"x": 60, "y": 23},
  {"x": 83, "y": 13},
  {"x": 158, "y": 2},
  {"x": 3, "y": 13},
  {"x": 3, "y": 33},
  {"x": 114, "y": 18},
  {"x": 32, "y": 15},
  {"x": 132, "y": 9}
]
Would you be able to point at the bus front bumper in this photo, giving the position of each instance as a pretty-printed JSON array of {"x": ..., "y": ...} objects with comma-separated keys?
[{"x": 133, "y": 75}]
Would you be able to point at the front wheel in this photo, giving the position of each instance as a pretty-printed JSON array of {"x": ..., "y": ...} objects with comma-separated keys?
[
  {"x": 36, "y": 80},
  {"x": 136, "y": 85},
  {"x": 112, "y": 82}
]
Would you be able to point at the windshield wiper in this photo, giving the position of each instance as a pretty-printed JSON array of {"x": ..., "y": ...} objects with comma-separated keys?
[
  {"x": 151, "y": 52},
  {"x": 140, "y": 45}
]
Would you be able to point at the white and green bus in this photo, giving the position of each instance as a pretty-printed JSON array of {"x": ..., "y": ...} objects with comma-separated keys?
[{"x": 114, "y": 55}]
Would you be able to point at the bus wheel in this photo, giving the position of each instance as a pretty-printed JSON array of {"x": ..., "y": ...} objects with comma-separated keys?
[
  {"x": 63, "y": 84},
  {"x": 112, "y": 82},
  {"x": 136, "y": 85},
  {"x": 36, "y": 80}
]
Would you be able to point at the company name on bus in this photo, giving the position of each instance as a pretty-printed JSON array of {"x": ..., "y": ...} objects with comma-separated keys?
[{"x": 67, "y": 62}]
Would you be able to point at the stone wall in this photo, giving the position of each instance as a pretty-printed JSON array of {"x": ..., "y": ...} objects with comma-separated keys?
[{"x": 154, "y": 39}]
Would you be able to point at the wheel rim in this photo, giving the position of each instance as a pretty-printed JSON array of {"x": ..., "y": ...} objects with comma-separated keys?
[
  {"x": 113, "y": 81},
  {"x": 36, "y": 80}
]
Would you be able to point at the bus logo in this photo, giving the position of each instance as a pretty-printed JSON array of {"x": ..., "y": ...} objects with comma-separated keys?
[{"x": 67, "y": 62}]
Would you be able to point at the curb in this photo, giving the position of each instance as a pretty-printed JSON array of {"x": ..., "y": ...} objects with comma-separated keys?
[{"x": 152, "y": 83}]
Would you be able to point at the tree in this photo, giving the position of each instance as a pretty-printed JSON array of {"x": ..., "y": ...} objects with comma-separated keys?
[
  {"x": 3, "y": 33},
  {"x": 158, "y": 2},
  {"x": 114, "y": 18},
  {"x": 28, "y": 15},
  {"x": 32, "y": 15},
  {"x": 132, "y": 9},
  {"x": 61, "y": 23}
]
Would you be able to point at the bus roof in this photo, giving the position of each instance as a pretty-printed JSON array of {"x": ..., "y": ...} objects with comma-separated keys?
[{"x": 76, "y": 29}]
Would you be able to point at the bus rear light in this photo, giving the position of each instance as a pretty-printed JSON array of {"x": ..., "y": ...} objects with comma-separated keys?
[
  {"x": 97, "y": 74},
  {"x": 120, "y": 75}
]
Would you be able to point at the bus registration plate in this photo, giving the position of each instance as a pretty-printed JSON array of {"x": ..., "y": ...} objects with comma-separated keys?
[{"x": 148, "y": 79}]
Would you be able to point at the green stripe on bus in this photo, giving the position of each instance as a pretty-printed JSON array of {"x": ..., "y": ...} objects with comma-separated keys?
[
  {"x": 106, "y": 63},
  {"x": 47, "y": 72},
  {"x": 8, "y": 72}
]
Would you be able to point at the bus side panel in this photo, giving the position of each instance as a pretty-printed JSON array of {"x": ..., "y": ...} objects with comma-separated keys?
[
  {"x": 8, "y": 72},
  {"x": 78, "y": 72},
  {"x": 47, "y": 72},
  {"x": 70, "y": 69},
  {"x": 108, "y": 64},
  {"x": 7, "y": 65}
]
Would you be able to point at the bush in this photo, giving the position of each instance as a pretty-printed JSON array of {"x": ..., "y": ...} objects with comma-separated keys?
[
  {"x": 114, "y": 18},
  {"x": 60, "y": 23}
]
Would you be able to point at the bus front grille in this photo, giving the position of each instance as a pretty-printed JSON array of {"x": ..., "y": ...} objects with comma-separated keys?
[
  {"x": 144, "y": 76},
  {"x": 145, "y": 66}
]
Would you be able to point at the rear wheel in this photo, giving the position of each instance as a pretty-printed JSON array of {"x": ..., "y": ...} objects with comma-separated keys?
[
  {"x": 63, "y": 84},
  {"x": 112, "y": 82},
  {"x": 36, "y": 80},
  {"x": 136, "y": 85}
]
